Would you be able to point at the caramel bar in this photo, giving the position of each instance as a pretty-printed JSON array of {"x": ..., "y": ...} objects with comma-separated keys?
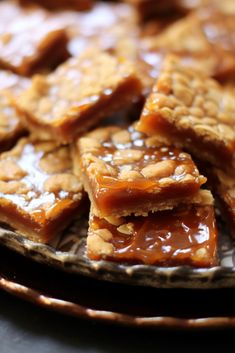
[
  {"x": 104, "y": 26},
  {"x": 193, "y": 111},
  {"x": 183, "y": 236},
  {"x": 30, "y": 40},
  {"x": 203, "y": 39},
  {"x": 39, "y": 195},
  {"x": 78, "y": 95},
  {"x": 10, "y": 126},
  {"x": 125, "y": 173}
]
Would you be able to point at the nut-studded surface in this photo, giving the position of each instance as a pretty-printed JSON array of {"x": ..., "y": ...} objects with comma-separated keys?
[
  {"x": 126, "y": 173},
  {"x": 193, "y": 111},
  {"x": 10, "y": 126},
  {"x": 29, "y": 39},
  {"x": 78, "y": 94},
  {"x": 185, "y": 236},
  {"x": 39, "y": 195}
]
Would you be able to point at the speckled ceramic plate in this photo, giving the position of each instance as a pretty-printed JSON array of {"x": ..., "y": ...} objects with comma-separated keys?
[
  {"x": 88, "y": 298},
  {"x": 68, "y": 253}
]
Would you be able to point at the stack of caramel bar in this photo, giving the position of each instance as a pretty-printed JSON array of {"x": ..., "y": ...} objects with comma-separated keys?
[{"x": 114, "y": 102}]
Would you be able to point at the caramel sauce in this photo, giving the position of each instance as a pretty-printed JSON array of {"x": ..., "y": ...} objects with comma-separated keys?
[{"x": 167, "y": 238}]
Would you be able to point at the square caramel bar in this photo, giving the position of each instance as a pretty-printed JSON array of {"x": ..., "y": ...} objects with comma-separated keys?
[
  {"x": 39, "y": 194},
  {"x": 11, "y": 127},
  {"x": 125, "y": 173},
  {"x": 30, "y": 39},
  {"x": 79, "y": 94},
  {"x": 192, "y": 111},
  {"x": 203, "y": 39},
  {"x": 183, "y": 236}
]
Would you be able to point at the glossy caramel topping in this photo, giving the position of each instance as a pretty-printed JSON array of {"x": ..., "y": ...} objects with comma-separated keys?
[
  {"x": 36, "y": 179},
  {"x": 131, "y": 157},
  {"x": 185, "y": 236},
  {"x": 124, "y": 165},
  {"x": 26, "y": 34}
]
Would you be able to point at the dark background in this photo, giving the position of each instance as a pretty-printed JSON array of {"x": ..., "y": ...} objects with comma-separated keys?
[{"x": 25, "y": 328}]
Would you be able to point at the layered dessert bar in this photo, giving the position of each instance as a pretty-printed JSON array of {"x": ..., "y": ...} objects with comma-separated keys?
[
  {"x": 203, "y": 39},
  {"x": 183, "y": 236},
  {"x": 39, "y": 194},
  {"x": 79, "y": 94},
  {"x": 30, "y": 39},
  {"x": 11, "y": 127},
  {"x": 192, "y": 111},
  {"x": 125, "y": 173}
]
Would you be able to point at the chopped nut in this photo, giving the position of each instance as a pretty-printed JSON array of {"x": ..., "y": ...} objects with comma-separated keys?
[
  {"x": 13, "y": 187},
  {"x": 56, "y": 162},
  {"x": 10, "y": 170},
  {"x": 89, "y": 144},
  {"x": 116, "y": 221},
  {"x": 121, "y": 137},
  {"x": 129, "y": 175},
  {"x": 99, "y": 167},
  {"x": 127, "y": 156},
  {"x": 127, "y": 228},
  {"x": 105, "y": 234},
  {"x": 159, "y": 170},
  {"x": 65, "y": 182},
  {"x": 153, "y": 142},
  {"x": 98, "y": 246}
]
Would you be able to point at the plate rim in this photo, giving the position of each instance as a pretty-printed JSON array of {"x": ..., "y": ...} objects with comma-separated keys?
[
  {"x": 164, "y": 277},
  {"x": 70, "y": 308}
]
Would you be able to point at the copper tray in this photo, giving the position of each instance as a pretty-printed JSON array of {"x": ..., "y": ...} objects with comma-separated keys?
[{"x": 81, "y": 296}]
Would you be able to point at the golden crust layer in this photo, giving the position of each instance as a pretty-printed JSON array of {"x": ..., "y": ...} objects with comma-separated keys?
[
  {"x": 193, "y": 111},
  {"x": 79, "y": 94}
]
